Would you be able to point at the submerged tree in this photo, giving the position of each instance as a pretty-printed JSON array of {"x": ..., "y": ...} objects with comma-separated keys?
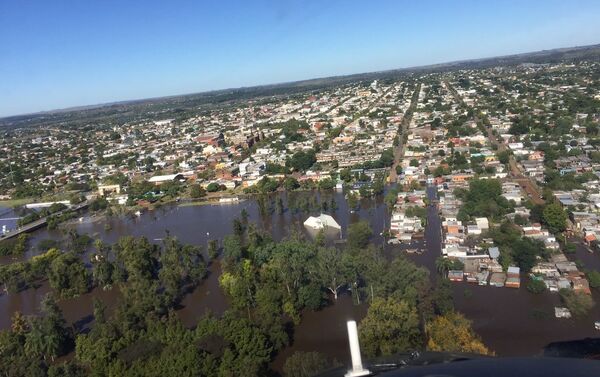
[
  {"x": 213, "y": 249},
  {"x": 452, "y": 333},
  {"x": 305, "y": 364},
  {"x": 68, "y": 275},
  {"x": 579, "y": 303},
  {"x": 390, "y": 327},
  {"x": 332, "y": 269},
  {"x": 359, "y": 234}
]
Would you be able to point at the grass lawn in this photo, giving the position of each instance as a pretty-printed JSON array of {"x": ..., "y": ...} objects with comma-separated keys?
[{"x": 15, "y": 202}]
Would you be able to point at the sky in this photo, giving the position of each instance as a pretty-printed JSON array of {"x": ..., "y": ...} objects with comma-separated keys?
[{"x": 57, "y": 54}]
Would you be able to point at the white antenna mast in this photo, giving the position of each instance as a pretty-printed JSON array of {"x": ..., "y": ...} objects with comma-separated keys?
[{"x": 357, "y": 367}]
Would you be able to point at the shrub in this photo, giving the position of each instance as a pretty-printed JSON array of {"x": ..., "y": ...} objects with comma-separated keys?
[{"x": 536, "y": 286}]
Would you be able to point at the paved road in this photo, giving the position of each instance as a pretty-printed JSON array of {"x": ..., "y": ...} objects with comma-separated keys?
[
  {"x": 399, "y": 149},
  {"x": 526, "y": 182},
  {"x": 40, "y": 222}
]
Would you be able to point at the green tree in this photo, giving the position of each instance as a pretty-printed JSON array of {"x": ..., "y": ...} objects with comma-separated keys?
[
  {"x": 346, "y": 175},
  {"x": 266, "y": 185},
  {"x": 35, "y": 344},
  {"x": 578, "y": 303},
  {"x": 503, "y": 157},
  {"x": 302, "y": 160},
  {"x": 181, "y": 266},
  {"x": 305, "y": 364},
  {"x": 390, "y": 327},
  {"x": 536, "y": 286},
  {"x": 326, "y": 184},
  {"x": 442, "y": 297},
  {"x": 555, "y": 218},
  {"x": 378, "y": 187},
  {"x": 290, "y": 183},
  {"x": 66, "y": 369},
  {"x": 452, "y": 333},
  {"x": 443, "y": 265},
  {"x": 232, "y": 251},
  {"x": 136, "y": 258},
  {"x": 197, "y": 191},
  {"x": 594, "y": 278},
  {"x": 238, "y": 228},
  {"x": 102, "y": 271},
  {"x": 483, "y": 199},
  {"x": 332, "y": 269},
  {"x": 213, "y": 187},
  {"x": 99, "y": 311},
  {"x": 391, "y": 198},
  {"x": 359, "y": 234},
  {"x": 213, "y": 249},
  {"x": 68, "y": 275}
]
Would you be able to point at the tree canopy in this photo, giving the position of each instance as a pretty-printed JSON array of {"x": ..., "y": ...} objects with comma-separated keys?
[
  {"x": 390, "y": 327},
  {"x": 554, "y": 217},
  {"x": 483, "y": 199},
  {"x": 452, "y": 333}
]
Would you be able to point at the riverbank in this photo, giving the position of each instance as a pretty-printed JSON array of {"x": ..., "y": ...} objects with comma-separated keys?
[{"x": 9, "y": 203}]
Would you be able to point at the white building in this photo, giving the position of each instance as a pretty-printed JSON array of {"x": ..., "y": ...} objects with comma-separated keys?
[{"x": 321, "y": 221}]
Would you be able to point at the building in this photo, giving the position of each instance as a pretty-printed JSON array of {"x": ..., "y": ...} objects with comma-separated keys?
[
  {"x": 562, "y": 312},
  {"x": 108, "y": 189},
  {"x": 455, "y": 275},
  {"x": 512, "y": 277},
  {"x": 498, "y": 279},
  {"x": 160, "y": 179},
  {"x": 321, "y": 221}
]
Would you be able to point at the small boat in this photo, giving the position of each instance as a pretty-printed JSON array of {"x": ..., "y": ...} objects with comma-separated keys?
[{"x": 138, "y": 213}]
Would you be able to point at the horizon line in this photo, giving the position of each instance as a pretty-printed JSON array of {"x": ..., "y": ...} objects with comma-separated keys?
[{"x": 117, "y": 102}]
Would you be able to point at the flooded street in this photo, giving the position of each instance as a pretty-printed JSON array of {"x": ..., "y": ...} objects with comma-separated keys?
[{"x": 510, "y": 321}]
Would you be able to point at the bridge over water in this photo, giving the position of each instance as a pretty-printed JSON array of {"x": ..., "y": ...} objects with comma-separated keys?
[{"x": 39, "y": 223}]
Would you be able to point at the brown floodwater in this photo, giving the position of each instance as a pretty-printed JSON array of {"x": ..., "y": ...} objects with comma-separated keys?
[
  {"x": 324, "y": 331},
  {"x": 190, "y": 224},
  {"x": 510, "y": 321}
]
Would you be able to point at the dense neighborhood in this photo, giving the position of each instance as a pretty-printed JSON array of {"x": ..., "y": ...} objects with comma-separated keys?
[{"x": 493, "y": 174}]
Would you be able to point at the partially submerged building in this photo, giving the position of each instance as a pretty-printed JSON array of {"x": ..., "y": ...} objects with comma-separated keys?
[{"x": 321, "y": 221}]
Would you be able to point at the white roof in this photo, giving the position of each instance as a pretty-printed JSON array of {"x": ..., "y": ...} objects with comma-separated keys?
[
  {"x": 321, "y": 221},
  {"x": 162, "y": 178},
  {"x": 494, "y": 252}
]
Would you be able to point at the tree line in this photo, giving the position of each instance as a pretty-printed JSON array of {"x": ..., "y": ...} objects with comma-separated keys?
[{"x": 269, "y": 284}]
